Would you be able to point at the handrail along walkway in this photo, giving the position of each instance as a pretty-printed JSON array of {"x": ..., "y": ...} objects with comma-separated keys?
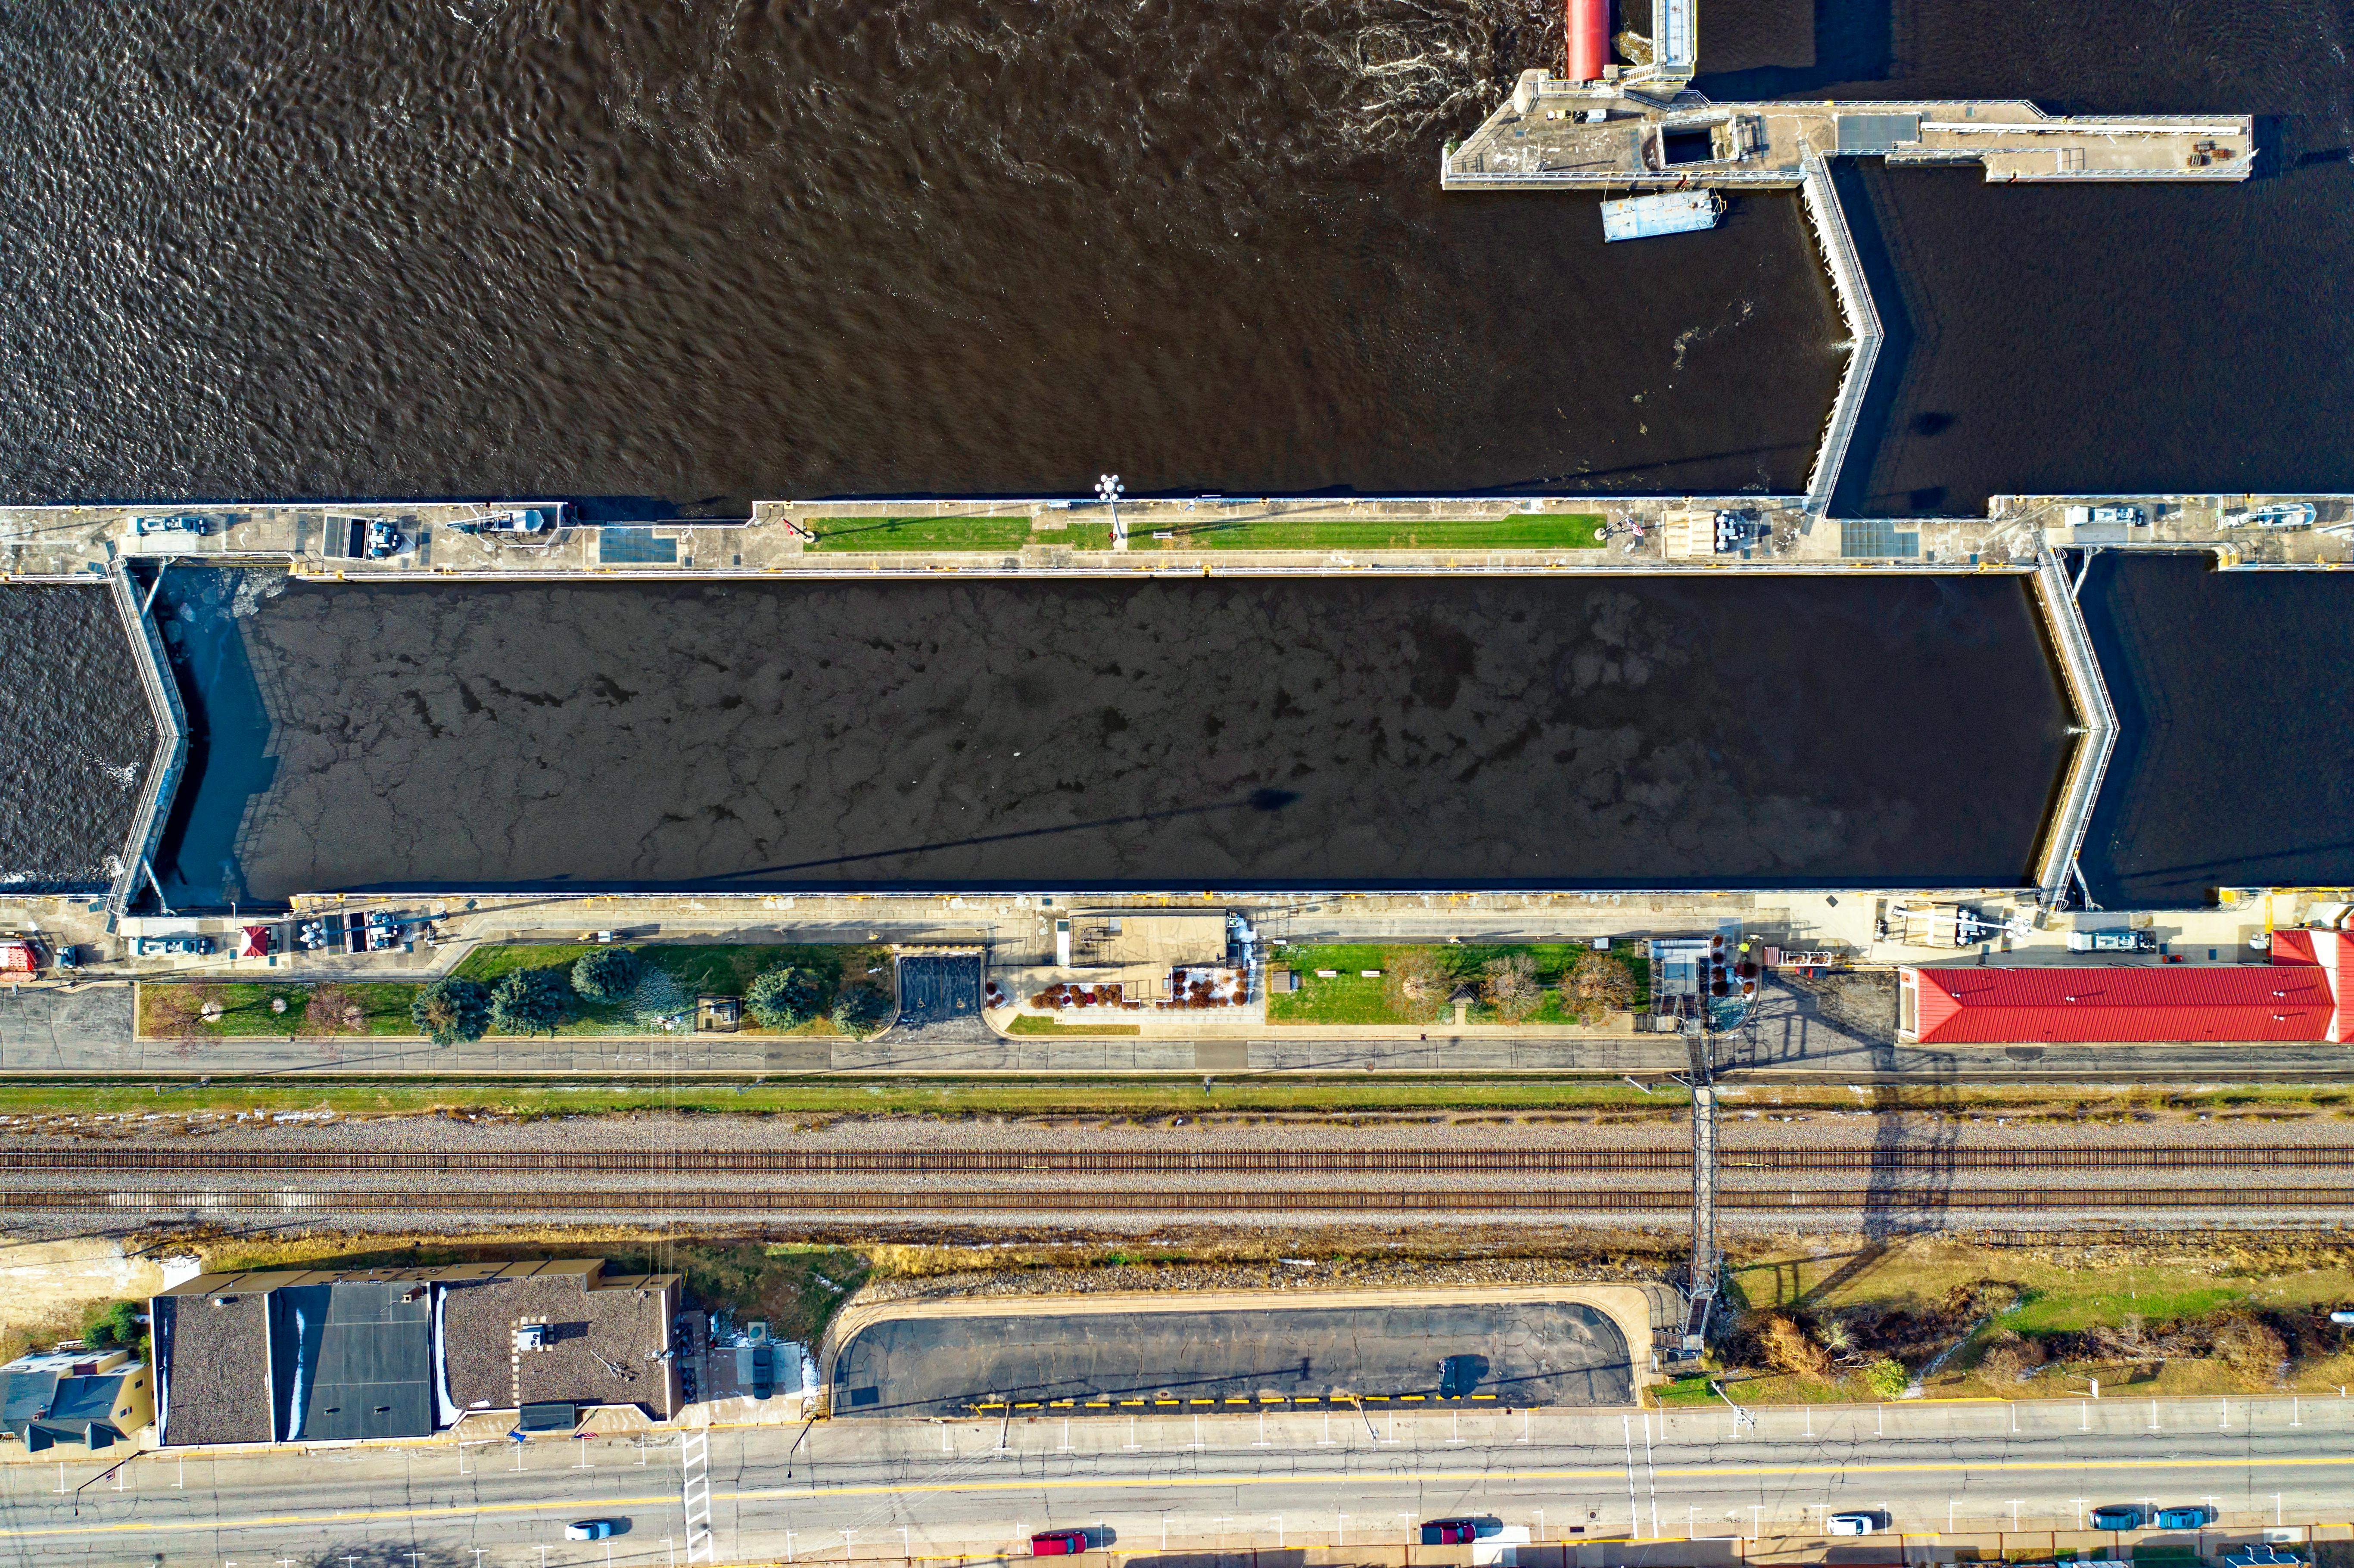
[
  {"x": 171, "y": 755},
  {"x": 1863, "y": 324},
  {"x": 2090, "y": 692}
]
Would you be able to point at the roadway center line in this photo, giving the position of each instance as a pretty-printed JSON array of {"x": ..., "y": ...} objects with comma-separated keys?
[{"x": 1080, "y": 1483}]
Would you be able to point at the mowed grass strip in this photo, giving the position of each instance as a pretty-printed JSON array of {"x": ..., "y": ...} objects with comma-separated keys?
[
  {"x": 966, "y": 532},
  {"x": 1027, "y": 1025},
  {"x": 1519, "y": 531},
  {"x": 831, "y": 1096}
]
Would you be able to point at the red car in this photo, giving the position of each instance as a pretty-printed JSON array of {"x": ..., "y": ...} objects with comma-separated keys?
[
  {"x": 1449, "y": 1531},
  {"x": 1058, "y": 1543}
]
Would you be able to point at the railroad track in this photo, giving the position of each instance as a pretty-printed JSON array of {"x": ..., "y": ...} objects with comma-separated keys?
[
  {"x": 198, "y": 1160},
  {"x": 685, "y": 1203}
]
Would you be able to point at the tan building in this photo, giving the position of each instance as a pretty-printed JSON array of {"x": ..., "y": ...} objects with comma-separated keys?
[{"x": 94, "y": 1398}]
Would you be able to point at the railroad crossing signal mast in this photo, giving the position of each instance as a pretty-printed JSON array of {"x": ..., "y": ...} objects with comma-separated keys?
[{"x": 1707, "y": 1263}]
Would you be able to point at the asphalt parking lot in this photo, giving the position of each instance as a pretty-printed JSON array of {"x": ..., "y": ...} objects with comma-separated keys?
[{"x": 1475, "y": 1354}]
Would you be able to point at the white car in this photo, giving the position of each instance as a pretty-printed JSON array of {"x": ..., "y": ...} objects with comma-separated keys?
[{"x": 1851, "y": 1524}]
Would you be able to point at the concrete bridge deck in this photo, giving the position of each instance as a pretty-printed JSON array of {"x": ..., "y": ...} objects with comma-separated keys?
[
  {"x": 1554, "y": 134},
  {"x": 1220, "y": 535}
]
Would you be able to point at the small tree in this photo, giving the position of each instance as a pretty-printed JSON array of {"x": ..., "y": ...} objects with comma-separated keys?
[
  {"x": 526, "y": 1001},
  {"x": 1886, "y": 1379},
  {"x": 1416, "y": 984},
  {"x": 176, "y": 1012},
  {"x": 607, "y": 974},
  {"x": 861, "y": 1011},
  {"x": 331, "y": 1008},
  {"x": 785, "y": 998},
  {"x": 1596, "y": 986},
  {"x": 1511, "y": 987},
  {"x": 452, "y": 1011}
]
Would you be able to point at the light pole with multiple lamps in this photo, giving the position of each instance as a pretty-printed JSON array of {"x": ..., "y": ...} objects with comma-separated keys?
[{"x": 1109, "y": 489}]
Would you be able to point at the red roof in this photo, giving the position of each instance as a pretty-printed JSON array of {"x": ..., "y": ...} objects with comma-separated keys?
[
  {"x": 2333, "y": 953},
  {"x": 2281, "y": 1000}
]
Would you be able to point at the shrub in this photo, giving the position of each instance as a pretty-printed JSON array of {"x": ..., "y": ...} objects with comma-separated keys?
[
  {"x": 656, "y": 998},
  {"x": 2007, "y": 1357},
  {"x": 609, "y": 974},
  {"x": 526, "y": 1001},
  {"x": 1511, "y": 987},
  {"x": 1595, "y": 986},
  {"x": 785, "y": 998},
  {"x": 2249, "y": 1347},
  {"x": 1415, "y": 983},
  {"x": 117, "y": 1323},
  {"x": 1886, "y": 1379},
  {"x": 861, "y": 1011},
  {"x": 1787, "y": 1350},
  {"x": 452, "y": 1011}
]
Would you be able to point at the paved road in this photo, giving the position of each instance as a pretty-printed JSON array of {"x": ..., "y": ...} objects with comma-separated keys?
[
  {"x": 977, "y": 1488},
  {"x": 89, "y": 1031}
]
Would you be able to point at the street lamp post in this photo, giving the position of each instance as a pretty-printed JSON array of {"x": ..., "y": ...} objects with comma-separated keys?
[{"x": 1109, "y": 489}]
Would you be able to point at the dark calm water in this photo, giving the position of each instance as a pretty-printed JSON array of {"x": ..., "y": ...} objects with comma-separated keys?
[
  {"x": 690, "y": 253},
  {"x": 1640, "y": 732},
  {"x": 2232, "y": 767},
  {"x": 75, "y": 738}
]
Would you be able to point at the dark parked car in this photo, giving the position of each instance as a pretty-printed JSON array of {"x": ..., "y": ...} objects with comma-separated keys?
[
  {"x": 2117, "y": 1516},
  {"x": 2192, "y": 1518},
  {"x": 1449, "y": 1531},
  {"x": 1058, "y": 1543}
]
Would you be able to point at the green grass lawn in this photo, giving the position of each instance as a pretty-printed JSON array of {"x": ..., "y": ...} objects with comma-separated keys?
[
  {"x": 246, "y": 1010},
  {"x": 1090, "y": 533},
  {"x": 969, "y": 533},
  {"x": 1519, "y": 531},
  {"x": 1351, "y": 997},
  {"x": 717, "y": 970}
]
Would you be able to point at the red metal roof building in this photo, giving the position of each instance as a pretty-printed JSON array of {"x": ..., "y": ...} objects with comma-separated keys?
[{"x": 2305, "y": 993}]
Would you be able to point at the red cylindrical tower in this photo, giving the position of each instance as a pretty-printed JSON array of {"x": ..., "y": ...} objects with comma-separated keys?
[{"x": 1589, "y": 39}]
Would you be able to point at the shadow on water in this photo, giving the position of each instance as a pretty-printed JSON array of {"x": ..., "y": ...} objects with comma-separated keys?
[
  {"x": 1852, "y": 497},
  {"x": 1854, "y": 40},
  {"x": 2130, "y": 698},
  {"x": 229, "y": 759},
  {"x": 2224, "y": 774}
]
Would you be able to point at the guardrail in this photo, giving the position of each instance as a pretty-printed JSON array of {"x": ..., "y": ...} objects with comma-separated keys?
[
  {"x": 1862, "y": 318},
  {"x": 2090, "y": 692},
  {"x": 171, "y": 753}
]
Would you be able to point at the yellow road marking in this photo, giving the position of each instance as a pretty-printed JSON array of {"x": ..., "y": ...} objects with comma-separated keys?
[{"x": 1042, "y": 1483}]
